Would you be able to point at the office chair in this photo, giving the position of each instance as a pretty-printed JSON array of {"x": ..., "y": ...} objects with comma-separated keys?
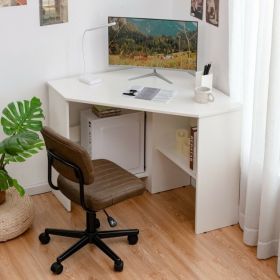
[{"x": 95, "y": 185}]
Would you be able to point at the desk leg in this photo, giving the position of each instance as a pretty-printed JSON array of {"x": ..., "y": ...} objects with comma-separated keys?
[
  {"x": 59, "y": 121},
  {"x": 218, "y": 169}
]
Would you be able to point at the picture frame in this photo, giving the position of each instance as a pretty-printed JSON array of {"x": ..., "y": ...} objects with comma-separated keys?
[
  {"x": 197, "y": 8},
  {"x": 212, "y": 12},
  {"x": 9, "y": 3},
  {"x": 53, "y": 12}
]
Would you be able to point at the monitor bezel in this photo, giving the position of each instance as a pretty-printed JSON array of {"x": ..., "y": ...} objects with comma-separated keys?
[{"x": 127, "y": 66}]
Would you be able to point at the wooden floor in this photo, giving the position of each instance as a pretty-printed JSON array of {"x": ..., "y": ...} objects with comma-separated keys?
[{"x": 167, "y": 248}]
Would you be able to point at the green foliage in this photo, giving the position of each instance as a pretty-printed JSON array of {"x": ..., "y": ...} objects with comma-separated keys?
[
  {"x": 21, "y": 146},
  {"x": 21, "y": 121},
  {"x": 6, "y": 181},
  {"x": 22, "y": 116}
]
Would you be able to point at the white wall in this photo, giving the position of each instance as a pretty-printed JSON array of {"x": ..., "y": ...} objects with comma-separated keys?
[
  {"x": 212, "y": 40},
  {"x": 30, "y": 55}
]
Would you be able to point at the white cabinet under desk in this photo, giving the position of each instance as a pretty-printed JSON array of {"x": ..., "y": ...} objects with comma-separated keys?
[{"x": 218, "y": 137}]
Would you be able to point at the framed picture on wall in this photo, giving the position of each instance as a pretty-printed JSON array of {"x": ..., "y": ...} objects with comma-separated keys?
[
  {"x": 53, "y": 11},
  {"x": 8, "y": 3},
  {"x": 212, "y": 12},
  {"x": 197, "y": 8}
]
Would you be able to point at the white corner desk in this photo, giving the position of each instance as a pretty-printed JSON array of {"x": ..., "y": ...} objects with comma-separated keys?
[{"x": 218, "y": 139}]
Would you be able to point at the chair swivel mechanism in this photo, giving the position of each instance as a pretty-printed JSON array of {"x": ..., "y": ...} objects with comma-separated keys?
[{"x": 94, "y": 185}]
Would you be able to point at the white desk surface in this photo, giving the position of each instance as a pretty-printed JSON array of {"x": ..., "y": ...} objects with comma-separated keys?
[{"x": 114, "y": 83}]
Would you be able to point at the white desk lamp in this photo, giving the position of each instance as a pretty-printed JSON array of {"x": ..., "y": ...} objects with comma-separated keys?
[{"x": 91, "y": 79}]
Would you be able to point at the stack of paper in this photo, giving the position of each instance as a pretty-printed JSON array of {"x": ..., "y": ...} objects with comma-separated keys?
[{"x": 154, "y": 94}]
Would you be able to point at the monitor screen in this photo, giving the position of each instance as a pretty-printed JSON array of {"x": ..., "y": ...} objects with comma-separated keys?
[{"x": 153, "y": 43}]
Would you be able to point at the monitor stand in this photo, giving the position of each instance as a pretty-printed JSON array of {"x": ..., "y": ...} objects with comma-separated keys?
[{"x": 153, "y": 74}]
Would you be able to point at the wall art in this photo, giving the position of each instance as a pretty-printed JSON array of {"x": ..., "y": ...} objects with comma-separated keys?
[
  {"x": 197, "y": 8},
  {"x": 53, "y": 11},
  {"x": 9, "y": 3},
  {"x": 212, "y": 12}
]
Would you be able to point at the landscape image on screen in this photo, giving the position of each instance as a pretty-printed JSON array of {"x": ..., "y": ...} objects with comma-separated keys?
[{"x": 153, "y": 43}]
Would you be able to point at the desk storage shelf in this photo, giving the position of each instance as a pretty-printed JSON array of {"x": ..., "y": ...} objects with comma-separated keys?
[{"x": 182, "y": 161}]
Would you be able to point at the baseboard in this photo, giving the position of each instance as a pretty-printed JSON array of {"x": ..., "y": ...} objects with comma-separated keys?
[
  {"x": 193, "y": 182},
  {"x": 38, "y": 189}
]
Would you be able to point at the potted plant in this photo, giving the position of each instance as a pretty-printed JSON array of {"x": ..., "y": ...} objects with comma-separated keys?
[{"x": 21, "y": 121}]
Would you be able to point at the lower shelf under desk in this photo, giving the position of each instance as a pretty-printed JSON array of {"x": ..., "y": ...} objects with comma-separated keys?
[{"x": 181, "y": 161}]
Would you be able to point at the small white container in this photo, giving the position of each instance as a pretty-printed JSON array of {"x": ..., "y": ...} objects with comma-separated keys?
[
  {"x": 203, "y": 80},
  {"x": 182, "y": 136}
]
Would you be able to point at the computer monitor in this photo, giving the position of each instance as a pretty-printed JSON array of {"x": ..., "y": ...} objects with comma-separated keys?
[{"x": 153, "y": 43}]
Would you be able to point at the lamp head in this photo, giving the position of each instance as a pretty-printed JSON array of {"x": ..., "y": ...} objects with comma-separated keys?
[
  {"x": 101, "y": 26},
  {"x": 112, "y": 24}
]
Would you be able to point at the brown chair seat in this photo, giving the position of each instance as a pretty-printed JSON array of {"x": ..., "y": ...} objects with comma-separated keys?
[{"x": 111, "y": 185}]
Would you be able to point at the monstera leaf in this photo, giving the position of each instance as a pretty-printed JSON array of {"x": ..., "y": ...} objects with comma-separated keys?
[
  {"x": 19, "y": 147},
  {"x": 6, "y": 182},
  {"x": 22, "y": 116},
  {"x": 21, "y": 121}
]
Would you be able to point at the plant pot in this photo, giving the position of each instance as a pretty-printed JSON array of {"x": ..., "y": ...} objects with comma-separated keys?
[
  {"x": 2, "y": 197},
  {"x": 16, "y": 215}
]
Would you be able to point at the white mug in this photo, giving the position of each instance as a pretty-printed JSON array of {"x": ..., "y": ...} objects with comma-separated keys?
[{"x": 203, "y": 95}]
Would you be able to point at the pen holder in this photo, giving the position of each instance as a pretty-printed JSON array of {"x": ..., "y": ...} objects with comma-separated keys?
[{"x": 203, "y": 80}]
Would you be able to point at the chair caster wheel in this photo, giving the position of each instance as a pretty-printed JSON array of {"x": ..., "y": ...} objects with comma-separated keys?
[
  {"x": 132, "y": 239},
  {"x": 56, "y": 268},
  {"x": 97, "y": 223},
  {"x": 44, "y": 238},
  {"x": 118, "y": 265}
]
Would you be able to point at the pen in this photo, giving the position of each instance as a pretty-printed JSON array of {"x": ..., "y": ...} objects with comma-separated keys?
[
  {"x": 129, "y": 93},
  {"x": 205, "y": 70},
  {"x": 208, "y": 68}
]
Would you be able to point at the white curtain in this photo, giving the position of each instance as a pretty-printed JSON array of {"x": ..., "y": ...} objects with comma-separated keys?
[{"x": 255, "y": 81}]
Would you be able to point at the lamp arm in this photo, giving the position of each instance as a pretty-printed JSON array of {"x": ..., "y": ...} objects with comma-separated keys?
[{"x": 84, "y": 35}]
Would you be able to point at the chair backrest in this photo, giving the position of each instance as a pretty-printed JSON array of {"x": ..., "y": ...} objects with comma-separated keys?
[{"x": 70, "y": 152}]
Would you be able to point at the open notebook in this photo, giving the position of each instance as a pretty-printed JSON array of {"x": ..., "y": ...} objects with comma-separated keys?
[{"x": 154, "y": 94}]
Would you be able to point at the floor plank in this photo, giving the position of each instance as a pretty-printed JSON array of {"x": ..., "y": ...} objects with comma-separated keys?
[{"x": 167, "y": 248}]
